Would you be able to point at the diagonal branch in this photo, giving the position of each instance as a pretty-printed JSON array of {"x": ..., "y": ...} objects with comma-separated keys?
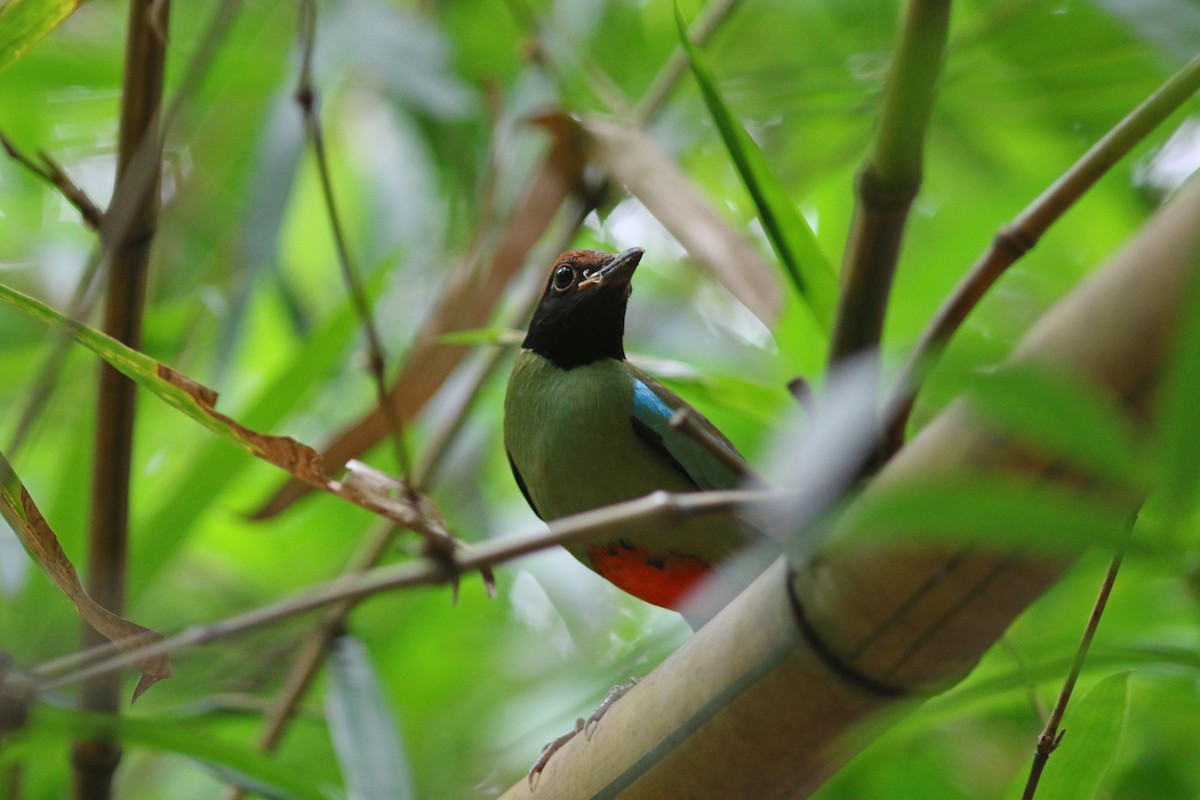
[
  {"x": 661, "y": 508},
  {"x": 52, "y": 173},
  {"x": 1020, "y": 236}
]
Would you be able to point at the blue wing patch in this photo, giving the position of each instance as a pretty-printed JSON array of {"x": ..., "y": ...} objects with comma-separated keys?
[
  {"x": 651, "y": 420},
  {"x": 650, "y": 409}
]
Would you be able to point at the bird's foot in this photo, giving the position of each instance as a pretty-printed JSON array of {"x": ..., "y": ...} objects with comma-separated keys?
[
  {"x": 614, "y": 694},
  {"x": 552, "y": 747},
  {"x": 585, "y": 726}
]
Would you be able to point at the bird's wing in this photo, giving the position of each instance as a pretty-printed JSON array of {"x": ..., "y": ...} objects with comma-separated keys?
[
  {"x": 653, "y": 407},
  {"x": 521, "y": 484}
]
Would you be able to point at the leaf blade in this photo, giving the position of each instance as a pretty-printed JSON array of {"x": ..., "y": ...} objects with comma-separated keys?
[
  {"x": 365, "y": 735},
  {"x": 793, "y": 240},
  {"x": 24, "y": 23}
]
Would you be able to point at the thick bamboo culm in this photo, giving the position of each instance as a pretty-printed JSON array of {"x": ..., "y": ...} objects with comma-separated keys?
[{"x": 762, "y": 701}]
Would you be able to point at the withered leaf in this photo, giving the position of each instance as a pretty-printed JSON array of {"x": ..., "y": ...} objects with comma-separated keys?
[
  {"x": 39, "y": 539},
  {"x": 631, "y": 156}
]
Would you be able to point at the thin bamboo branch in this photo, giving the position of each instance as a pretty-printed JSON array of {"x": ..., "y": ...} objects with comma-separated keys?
[
  {"x": 1051, "y": 736},
  {"x": 52, "y": 173},
  {"x": 376, "y": 360},
  {"x": 95, "y": 761},
  {"x": 889, "y": 181},
  {"x": 661, "y": 508},
  {"x": 1020, "y": 236}
]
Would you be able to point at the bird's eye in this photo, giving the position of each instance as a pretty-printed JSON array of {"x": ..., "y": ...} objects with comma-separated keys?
[{"x": 563, "y": 278}]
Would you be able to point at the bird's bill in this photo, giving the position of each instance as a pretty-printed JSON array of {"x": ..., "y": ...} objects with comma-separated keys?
[{"x": 618, "y": 271}]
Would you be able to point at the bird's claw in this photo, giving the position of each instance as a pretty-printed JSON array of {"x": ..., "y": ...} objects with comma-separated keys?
[
  {"x": 614, "y": 694},
  {"x": 551, "y": 747},
  {"x": 586, "y": 727}
]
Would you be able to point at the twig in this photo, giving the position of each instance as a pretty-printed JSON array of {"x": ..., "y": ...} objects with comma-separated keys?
[
  {"x": 376, "y": 361},
  {"x": 660, "y": 508},
  {"x": 889, "y": 182},
  {"x": 1019, "y": 236},
  {"x": 684, "y": 420},
  {"x": 1051, "y": 736},
  {"x": 137, "y": 192},
  {"x": 314, "y": 650},
  {"x": 52, "y": 173},
  {"x": 705, "y": 25}
]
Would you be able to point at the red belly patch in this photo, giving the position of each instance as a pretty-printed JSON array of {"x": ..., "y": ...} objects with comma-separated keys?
[{"x": 660, "y": 578}]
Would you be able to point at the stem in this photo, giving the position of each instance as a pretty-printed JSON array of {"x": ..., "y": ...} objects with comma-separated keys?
[
  {"x": 136, "y": 194},
  {"x": 1051, "y": 736},
  {"x": 52, "y": 173},
  {"x": 661, "y": 508},
  {"x": 1019, "y": 236},
  {"x": 889, "y": 181},
  {"x": 376, "y": 361},
  {"x": 664, "y": 83}
]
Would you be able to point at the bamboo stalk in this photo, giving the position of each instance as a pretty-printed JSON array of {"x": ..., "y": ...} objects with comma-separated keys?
[
  {"x": 889, "y": 181},
  {"x": 136, "y": 198},
  {"x": 763, "y": 701}
]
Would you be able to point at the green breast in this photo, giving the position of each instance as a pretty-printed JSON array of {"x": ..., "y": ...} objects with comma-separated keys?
[{"x": 570, "y": 436}]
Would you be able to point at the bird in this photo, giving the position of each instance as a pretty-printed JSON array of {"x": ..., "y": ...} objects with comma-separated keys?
[{"x": 584, "y": 428}]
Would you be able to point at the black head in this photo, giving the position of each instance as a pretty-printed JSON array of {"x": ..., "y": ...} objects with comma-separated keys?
[{"x": 581, "y": 316}]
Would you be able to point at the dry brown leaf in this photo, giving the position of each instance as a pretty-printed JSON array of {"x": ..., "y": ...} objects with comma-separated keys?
[
  {"x": 466, "y": 302},
  {"x": 285, "y": 452},
  {"x": 40, "y": 540},
  {"x": 632, "y": 157}
]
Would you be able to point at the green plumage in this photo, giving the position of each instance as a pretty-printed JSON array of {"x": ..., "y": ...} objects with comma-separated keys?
[{"x": 571, "y": 437}]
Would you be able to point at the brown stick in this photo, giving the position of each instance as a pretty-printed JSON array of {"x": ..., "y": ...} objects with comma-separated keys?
[
  {"x": 136, "y": 198},
  {"x": 1051, "y": 736}
]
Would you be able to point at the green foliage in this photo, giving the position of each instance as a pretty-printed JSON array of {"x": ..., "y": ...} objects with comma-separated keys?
[
  {"x": 26, "y": 22},
  {"x": 789, "y": 234},
  {"x": 426, "y": 108},
  {"x": 1095, "y": 727}
]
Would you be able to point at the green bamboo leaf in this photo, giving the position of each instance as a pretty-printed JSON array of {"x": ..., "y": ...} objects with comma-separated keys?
[
  {"x": 789, "y": 233},
  {"x": 478, "y": 336},
  {"x": 364, "y": 731},
  {"x": 1179, "y": 425},
  {"x": 176, "y": 389},
  {"x": 244, "y": 766},
  {"x": 1093, "y": 732},
  {"x": 1058, "y": 415},
  {"x": 996, "y": 511},
  {"x": 24, "y": 23}
]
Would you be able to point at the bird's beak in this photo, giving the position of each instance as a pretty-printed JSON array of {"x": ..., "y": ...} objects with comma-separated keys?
[{"x": 617, "y": 272}]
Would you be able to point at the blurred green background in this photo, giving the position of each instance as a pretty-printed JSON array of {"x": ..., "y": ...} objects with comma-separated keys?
[{"x": 425, "y": 105}]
